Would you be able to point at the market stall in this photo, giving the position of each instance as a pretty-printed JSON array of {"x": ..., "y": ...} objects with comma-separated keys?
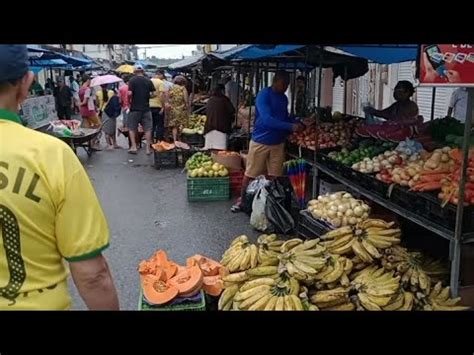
[{"x": 425, "y": 185}]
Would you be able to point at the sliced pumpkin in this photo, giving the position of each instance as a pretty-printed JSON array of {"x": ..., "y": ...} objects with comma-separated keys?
[
  {"x": 157, "y": 291},
  {"x": 187, "y": 281},
  {"x": 212, "y": 285},
  {"x": 170, "y": 269},
  {"x": 208, "y": 266}
]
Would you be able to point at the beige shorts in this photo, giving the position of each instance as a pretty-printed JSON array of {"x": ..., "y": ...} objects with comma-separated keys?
[
  {"x": 265, "y": 160},
  {"x": 91, "y": 122}
]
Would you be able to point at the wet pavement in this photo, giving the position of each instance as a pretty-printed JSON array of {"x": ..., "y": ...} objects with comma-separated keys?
[{"x": 147, "y": 209}]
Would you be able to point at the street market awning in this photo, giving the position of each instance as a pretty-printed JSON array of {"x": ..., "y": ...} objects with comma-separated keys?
[
  {"x": 186, "y": 63},
  {"x": 383, "y": 53},
  {"x": 302, "y": 56},
  {"x": 46, "y": 58}
]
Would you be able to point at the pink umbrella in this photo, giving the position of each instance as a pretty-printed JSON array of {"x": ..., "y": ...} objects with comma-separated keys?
[{"x": 105, "y": 79}]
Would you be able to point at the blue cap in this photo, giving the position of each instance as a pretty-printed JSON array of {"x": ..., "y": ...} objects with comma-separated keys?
[{"x": 13, "y": 62}]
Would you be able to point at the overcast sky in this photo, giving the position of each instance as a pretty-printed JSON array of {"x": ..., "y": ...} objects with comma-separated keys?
[{"x": 166, "y": 50}]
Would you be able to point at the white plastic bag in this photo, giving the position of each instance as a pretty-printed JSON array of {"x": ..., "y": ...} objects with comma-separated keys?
[{"x": 258, "y": 218}]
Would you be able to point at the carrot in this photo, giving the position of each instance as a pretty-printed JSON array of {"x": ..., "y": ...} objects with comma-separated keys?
[
  {"x": 427, "y": 186},
  {"x": 456, "y": 154},
  {"x": 434, "y": 172},
  {"x": 433, "y": 177}
]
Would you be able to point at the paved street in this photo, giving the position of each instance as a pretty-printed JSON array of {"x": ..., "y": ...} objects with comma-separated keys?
[{"x": 147, "y": 209}]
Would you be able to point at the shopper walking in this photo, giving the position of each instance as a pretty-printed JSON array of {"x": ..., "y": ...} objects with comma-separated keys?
[
  {"x": 64, "y": 100},
  {"x": 110, "y": 113},
  {"x": 90, "y": 119},
  {"x": 178, "y": 114},
  {"x": 141, "y": 89},
  {"x": 157, "y": 108}
]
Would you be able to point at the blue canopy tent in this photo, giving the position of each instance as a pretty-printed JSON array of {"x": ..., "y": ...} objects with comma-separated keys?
[
  {"x": 46, "y": 58},
  {"x": 383, "y": 53}
]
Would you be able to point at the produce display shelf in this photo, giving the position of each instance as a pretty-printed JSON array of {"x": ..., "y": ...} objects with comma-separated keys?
[
  {"x": 296, "y": 156},
  {"x": 424, "y": 222}
]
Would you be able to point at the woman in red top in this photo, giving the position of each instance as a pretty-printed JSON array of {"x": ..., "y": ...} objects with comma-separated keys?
[{"x": 90, "y": 119}]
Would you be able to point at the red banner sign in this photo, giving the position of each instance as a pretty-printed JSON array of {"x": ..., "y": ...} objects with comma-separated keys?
[{"x": 447, "y": 65}]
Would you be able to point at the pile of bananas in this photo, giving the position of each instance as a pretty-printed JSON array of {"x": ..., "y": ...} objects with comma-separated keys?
[
  {"x": 439, "y": 300},
  {"x": 269, "y": 249},
  {"x": 302, "y": 260},
  {"x": 366, "y": 240},
  {"x": 409, "y": 266},
  {"x": 241, "y": 255},
  {"x": 373, "y": 288},
  {"x": 316, "y": 275}
]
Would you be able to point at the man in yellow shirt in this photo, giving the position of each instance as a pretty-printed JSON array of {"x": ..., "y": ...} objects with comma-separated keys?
[
  {"x": 157, "y": 104},
  {"x": 49, "y": 211}
]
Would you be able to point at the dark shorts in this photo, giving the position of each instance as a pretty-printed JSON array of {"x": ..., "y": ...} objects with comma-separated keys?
[{"x": 136, "y": 117}]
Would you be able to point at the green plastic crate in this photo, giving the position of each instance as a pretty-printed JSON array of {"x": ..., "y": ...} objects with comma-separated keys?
[
  {"x": 194, "y": 306},
  {"x": 208, "y": 189}
]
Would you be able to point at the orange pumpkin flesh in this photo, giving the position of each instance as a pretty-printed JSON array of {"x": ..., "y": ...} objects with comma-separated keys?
[
  {"x": 208, "y": 266},
  {"x": 187, "y": 281},
  {"x": 157, "y": 291},
  {"x": 212, "y": 285}
]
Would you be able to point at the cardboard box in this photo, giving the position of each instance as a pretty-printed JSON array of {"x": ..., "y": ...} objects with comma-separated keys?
[{"x": 230, "y": 162}]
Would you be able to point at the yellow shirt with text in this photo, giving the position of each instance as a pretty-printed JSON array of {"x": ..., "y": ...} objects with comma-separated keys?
[
  {"x": 155, "y": 102},
  {"x": 49, "y": 213}
]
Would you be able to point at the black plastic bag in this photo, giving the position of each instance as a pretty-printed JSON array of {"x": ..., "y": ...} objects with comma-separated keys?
[{"x": 281, "y": 205}]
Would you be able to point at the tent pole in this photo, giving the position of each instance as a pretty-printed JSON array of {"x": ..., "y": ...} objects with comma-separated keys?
[
  {"x": 456, "y": 243},
  {"x": 238, "y": 95},
  {"x": 293, "y": 91},
  {"x": 433, "y": 99},
  {"x": 315, "y": 169},
  {"x": 345, "y": 90}
]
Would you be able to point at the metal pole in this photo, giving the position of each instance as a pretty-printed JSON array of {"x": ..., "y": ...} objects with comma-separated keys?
[
  {"x": 192, "y": 87},
  {"x": 293, "y": 91},
  {"x": 238, "y": 95},
  {"x": 315, "y": 170},
  {"x": 456, "y": 246},
  {"x": 345, "y": 90},
  {"x": 433, "y": 99},
  {"x": 251, "y": 77}
]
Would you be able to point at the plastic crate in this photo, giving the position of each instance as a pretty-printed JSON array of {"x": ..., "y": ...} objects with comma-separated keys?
[
  {"x": 309, "y": 227},
  {"x": 167, "y": 159},
  {"x": 446, "y": 216},
  {"x": 235, "y": 178},
  {"x": 199, "y": 305},
  {"x": 413, "y": 201},
  {"x": 208, "y": 189},
  {"x": 195, "y": 140}
]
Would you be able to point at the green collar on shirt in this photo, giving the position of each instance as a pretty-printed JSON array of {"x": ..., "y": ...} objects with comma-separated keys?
[{"x": 9, "y": 116}]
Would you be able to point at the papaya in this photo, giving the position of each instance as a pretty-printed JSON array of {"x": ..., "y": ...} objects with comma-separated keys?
[
  {"x": 212, "y": 285},
  {"x": 188, "y": 282},
  {"x": 157, "y": 291},
  {"x": 208, "y": 266}
]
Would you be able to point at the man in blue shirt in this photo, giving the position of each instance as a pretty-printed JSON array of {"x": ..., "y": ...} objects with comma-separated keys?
[{"x": 271, "y": 129}]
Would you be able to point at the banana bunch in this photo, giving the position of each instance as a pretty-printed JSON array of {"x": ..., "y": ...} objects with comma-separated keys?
[
  {"x": 374, "y": 288},
  {"x": 302, "y": 260},
  {"x": 437, "y": 270},
  {"x": 268, "y": 249},
  {"x": 372, "y": 236},
  {"x": 365, "y": 241},
  {"x": 241, "y": 255},
  {"x": 439, "y": 300},
  {"x": 409, "y": 266},
  {"x": 226, "y": 299},
  {"x": 268, "y": 294},
  {"x": 335, "y": 299},
  {"x": 401, "y": 301},
  {"x": 336, "y": 272}
]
